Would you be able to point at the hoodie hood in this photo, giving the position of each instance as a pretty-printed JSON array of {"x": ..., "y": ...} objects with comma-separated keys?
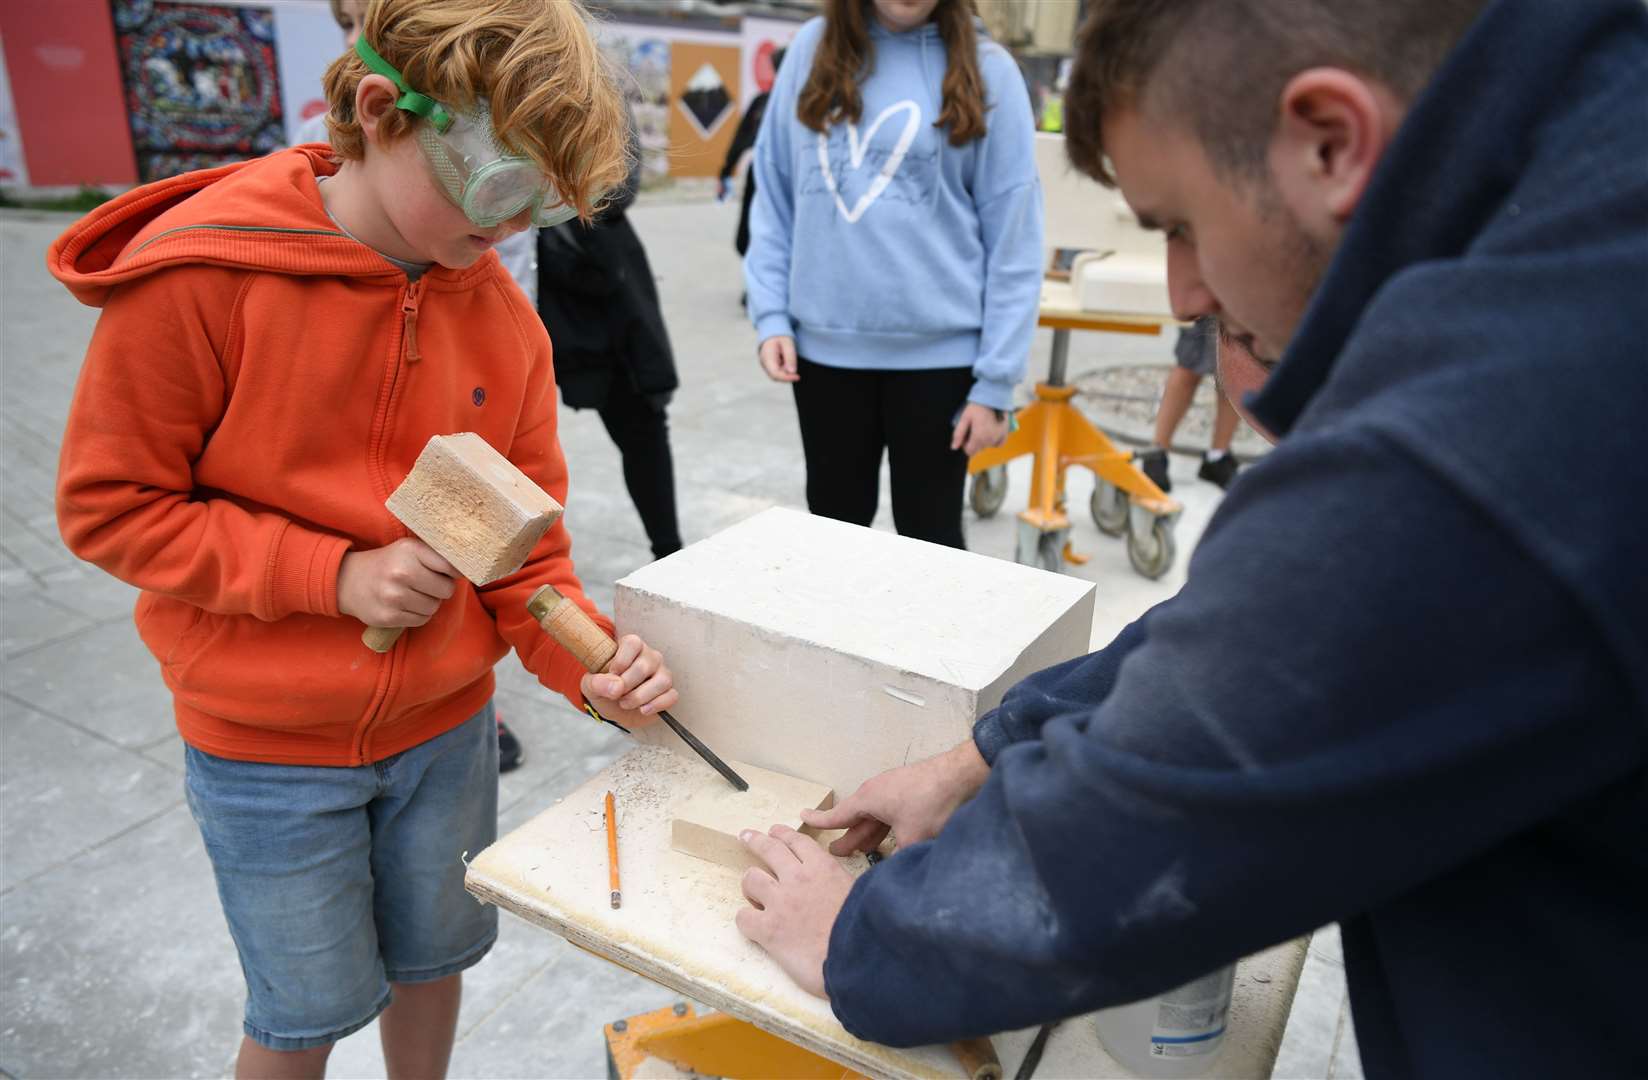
[
  {"x": 926, "y": 33},
  {"x": 265, "y": 214}
]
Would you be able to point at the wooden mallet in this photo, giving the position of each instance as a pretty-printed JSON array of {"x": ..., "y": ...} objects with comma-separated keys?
[{"x": 474, "y": 507}]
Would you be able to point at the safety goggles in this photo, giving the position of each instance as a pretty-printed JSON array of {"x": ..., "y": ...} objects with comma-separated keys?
[{"x": 475, "y": 170}]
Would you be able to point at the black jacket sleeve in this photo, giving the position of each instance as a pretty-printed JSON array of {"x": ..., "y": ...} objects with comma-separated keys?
[
  {"x": 1363, "y": 683},
  {"x": 623, "y": 198},
  {"x": 749, "y": 125}
]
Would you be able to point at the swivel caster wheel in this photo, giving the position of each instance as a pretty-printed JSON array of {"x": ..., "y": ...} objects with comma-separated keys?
[
  {"x": 989, "y": 491},
  {"x": 1150, "y": 546},
  {"x": 1109, "y": 505}
]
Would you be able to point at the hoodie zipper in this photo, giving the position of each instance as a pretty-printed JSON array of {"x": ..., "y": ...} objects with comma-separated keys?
[
  {"x": 411, "y": 300},
  {"x": 409, "y": 313}
]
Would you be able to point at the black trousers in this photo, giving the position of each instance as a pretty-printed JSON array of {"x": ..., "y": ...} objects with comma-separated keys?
[
  {"x": 640, "y": 429},
  {"x": 849, "y": 416}
]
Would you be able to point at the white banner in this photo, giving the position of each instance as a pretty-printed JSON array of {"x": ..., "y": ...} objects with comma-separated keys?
[
  {"x": 307, "y": 40},
  {"x": 761, "y": 38},
  {"x": 14, "y": 172}
]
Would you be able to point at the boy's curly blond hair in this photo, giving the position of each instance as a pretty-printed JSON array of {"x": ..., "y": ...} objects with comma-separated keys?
[{"x": 552, "y": 94}]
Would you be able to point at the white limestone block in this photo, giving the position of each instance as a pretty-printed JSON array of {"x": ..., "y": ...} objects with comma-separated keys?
[
  {"x": 825, "y": 650},
  {"x": 1127, "y": 284}
]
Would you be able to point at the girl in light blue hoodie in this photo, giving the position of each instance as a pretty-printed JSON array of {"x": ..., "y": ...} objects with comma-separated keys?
[{"x": 895, "y": 256}]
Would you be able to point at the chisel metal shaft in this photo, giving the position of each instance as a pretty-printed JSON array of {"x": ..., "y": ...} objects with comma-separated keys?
[{"x": 703, "y": 751}]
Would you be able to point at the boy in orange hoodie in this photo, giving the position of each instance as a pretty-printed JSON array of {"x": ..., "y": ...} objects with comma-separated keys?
[{"x": 279, "y": 339}]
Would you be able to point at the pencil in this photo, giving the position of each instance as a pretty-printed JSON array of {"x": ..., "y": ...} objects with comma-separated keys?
[{"x": 612, "y": 852}]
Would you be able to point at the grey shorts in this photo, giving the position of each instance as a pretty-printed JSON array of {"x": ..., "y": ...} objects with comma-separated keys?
[{"x": 1197, "y": 347}]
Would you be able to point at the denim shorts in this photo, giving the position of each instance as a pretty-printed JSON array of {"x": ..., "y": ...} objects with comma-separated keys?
[
  {"x": 337, "y": 882},
  {"x": 1197, "y": 348}
]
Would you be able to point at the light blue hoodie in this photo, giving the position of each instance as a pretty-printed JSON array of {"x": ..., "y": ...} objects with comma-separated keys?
[{"x": 882, "y": 246}]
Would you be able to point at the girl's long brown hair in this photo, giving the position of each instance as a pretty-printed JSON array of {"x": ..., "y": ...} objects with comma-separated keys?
[{"x": 846, "y": 53}]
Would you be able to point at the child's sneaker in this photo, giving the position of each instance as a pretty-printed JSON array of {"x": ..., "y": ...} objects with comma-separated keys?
[
  {"x": 1219, "y": 471},
  {"x": 510, "y": 754},
  {"x": 1153, "y": 463}
]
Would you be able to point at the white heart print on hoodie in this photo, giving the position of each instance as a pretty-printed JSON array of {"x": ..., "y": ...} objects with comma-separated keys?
[{"x": 857, "y": 146}]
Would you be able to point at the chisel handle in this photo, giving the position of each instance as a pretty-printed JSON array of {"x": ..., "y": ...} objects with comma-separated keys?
[
  {"x": 582, "y": 636},
  {"x": 571, "y": 626},
  {"x": 978, "y": 1058}
]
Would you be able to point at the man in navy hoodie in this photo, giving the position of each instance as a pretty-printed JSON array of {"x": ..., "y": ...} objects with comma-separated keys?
[{"x": 1405, "y": 687}]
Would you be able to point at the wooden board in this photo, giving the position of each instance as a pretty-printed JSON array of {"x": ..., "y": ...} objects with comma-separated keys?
[
  {"x": 1059, "y": 311},
  {"x": 676, "y": 928},
  {"x": 707, "y": 823}
]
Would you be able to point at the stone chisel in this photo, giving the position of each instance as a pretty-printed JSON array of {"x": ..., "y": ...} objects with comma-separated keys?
[{"x": 581, "y": 636}]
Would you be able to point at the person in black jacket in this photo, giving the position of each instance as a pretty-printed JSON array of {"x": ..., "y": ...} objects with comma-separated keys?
[
  {"x": 597, "y": 297},
  {"x": 743, "y": 140},
  {"x": 1405, "y": 687}
]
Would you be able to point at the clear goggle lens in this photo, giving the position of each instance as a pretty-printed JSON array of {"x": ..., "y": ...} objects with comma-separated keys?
[{"x": 487, "y": 182}]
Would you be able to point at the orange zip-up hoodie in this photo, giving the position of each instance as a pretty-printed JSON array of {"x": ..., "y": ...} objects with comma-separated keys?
[{"x": 257, "y": 385}]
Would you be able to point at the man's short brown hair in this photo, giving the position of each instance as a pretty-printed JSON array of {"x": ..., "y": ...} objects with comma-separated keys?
[
  {"x": 553, "y": 96},
  {"x": 1219, "y": 66}
]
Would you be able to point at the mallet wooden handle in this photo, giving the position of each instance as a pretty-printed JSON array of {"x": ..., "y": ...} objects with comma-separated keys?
[
  {"x": 978, "y": 1058},
  {"x": 381, "y": 638},
  {"x": 570, "y": 625}
]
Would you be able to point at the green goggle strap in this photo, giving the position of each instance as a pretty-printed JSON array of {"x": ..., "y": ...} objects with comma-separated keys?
[{"x": 410, "y": 99}]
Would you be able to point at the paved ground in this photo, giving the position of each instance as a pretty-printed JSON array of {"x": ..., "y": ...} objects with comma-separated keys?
[{"x": 114, "y": 958}]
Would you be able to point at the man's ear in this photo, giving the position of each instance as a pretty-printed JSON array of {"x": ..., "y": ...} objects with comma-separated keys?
[
  {"x": 375, "y": 99},
  {"x": 1332, "y": 129}
]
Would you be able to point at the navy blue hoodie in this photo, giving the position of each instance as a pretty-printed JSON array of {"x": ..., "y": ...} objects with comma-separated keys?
[{"x": 1406, "y": 684}]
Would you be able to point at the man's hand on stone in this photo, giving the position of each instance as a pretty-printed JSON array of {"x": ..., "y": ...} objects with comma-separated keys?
[
  {"x": 913, "y": 801},
  {"x": 793, "y": 902}
]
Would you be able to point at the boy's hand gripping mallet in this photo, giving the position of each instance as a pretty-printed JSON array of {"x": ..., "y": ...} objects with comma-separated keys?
[
  {"x": 474, "y": 507},
  {"x": 579, "y": 635}
]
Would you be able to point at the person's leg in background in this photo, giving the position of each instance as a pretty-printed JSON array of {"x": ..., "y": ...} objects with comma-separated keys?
[
  {"x": 510, "y": 751},
  {"x": 1194, "y": 355},
  {"x": 1219, "y": 464},
  {"x": 742, "y": 240},
  {"x": 842, "y": 439},
  {"x": 919, "y": 410},
  {"x": 639, "y": 427},
  {"x": 1176, "y": 398}
]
